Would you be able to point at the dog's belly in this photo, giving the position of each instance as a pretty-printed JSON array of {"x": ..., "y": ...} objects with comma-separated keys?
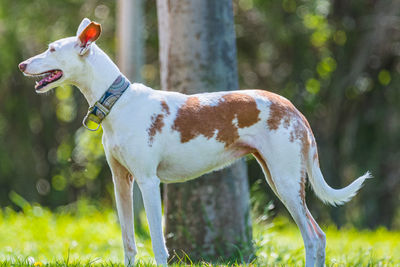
[
  {"x": 193, "y": 160},
  {"x": 173, "y": 171}
]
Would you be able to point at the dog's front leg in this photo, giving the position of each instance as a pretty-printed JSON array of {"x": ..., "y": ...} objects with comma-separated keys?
[
  {"x": 150, "y": 188},
  {"x": 123, "y": 186}
]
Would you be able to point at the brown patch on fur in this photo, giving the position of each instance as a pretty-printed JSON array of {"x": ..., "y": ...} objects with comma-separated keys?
[
  {"x": 157, "y": 122},
  {"x": 315, "y": 157},
  {"x": 156, "y": 126},
  {"x": 165, "y": 107},
  {"x": 194, "y": 119},
  {"x": 314, "y": 225},
  {"x": 240, "y": 149},
  {"x": 303, "y": 187},
  {"x": 120, "y": 171},
  {"x": 283, "y": 112},
  {"x": 264, "y": 166},
  {"x": 130, "y": 178}
]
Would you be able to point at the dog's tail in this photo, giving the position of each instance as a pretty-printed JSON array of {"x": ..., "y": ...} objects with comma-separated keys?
[{"x": 326, "y": 193}]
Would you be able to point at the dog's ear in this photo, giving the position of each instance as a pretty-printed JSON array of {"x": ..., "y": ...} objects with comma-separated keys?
[
  {"x": 84, "y": 23},
  {"x": 88, "y": 35}
]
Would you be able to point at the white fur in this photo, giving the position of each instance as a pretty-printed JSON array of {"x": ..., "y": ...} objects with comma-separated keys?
[
  {"x": 84, "y": 23},
  {"x": 167, "y": 159}
]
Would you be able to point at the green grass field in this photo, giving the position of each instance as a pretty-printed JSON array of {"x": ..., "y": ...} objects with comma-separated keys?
[{"x": 84, "y": 235}]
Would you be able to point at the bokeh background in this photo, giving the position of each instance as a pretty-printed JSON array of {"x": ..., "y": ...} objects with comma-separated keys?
[{"x": 337, "y": 61}]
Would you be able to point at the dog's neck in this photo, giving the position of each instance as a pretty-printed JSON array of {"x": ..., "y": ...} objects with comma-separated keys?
[{"x": 99, "y": 75}]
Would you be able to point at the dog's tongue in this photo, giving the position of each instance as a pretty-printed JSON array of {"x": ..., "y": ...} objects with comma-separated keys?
[{"x": 54, "y": 75}]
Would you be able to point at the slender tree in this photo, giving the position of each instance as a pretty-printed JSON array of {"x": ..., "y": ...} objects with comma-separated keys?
[
  {"x": 209, "y": 217},
  {"x": 130, "y": 58}
]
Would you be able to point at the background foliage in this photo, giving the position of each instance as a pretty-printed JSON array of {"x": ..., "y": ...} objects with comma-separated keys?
[{"x": 337, "y": 61}]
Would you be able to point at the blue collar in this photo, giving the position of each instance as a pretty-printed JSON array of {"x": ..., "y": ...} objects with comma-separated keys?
[{"x": 101, "y": 108}]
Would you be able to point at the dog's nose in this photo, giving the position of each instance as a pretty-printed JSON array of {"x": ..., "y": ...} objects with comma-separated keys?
[{"x": 22, "y": 66}]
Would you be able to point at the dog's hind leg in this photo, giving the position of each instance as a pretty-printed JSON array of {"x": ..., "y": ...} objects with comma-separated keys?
[
  {"x": 321, "y": 239},
  {"x": 123, "y": 186},
  {"x": 286, "y": 175}
]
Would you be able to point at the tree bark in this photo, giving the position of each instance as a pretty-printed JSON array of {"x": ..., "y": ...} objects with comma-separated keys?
[
  {"x": 207, "y": 218},
  {"x": 130, "y": 59},
  {"x": 130, "y": 56}
]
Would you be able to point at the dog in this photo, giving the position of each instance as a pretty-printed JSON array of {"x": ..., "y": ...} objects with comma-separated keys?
[{"x": 152, "y": 136}]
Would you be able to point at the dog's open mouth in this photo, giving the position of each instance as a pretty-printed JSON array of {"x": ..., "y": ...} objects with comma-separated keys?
[{"x": 48, "y": 77}]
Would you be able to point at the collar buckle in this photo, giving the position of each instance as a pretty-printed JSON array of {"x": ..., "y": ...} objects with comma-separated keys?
[
  {"x": 90, "y": 116},
  {"x": 103, "y": 109}
]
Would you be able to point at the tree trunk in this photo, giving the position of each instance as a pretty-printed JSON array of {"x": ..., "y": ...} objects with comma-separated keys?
[
  {"x": 130, "y": 27},
  {"x": 130, "y": 59},
  {"x": 207, "y": 218}
]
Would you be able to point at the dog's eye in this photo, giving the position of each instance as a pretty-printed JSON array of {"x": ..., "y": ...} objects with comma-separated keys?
[{"x": 52, "y": 49}]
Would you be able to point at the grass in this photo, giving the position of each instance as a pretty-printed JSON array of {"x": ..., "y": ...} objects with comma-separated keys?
[{"x": 85, "y": 235}]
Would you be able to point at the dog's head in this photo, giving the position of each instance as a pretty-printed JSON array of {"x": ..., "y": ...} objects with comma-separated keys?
[{"x": 64, "y": 60}]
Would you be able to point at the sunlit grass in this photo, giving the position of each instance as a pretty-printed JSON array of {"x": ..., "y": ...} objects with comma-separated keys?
[
  {"x": 84, "y": 235},
  {"x": 281, "y": 243},
  {"x": 87, "y": 235}
]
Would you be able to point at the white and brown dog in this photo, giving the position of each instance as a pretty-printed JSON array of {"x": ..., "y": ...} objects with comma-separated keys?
[{"x": 155, "y": 136}]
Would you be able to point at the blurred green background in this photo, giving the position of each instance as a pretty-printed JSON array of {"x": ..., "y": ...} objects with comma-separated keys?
[{"x": 337, "y": 61}]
